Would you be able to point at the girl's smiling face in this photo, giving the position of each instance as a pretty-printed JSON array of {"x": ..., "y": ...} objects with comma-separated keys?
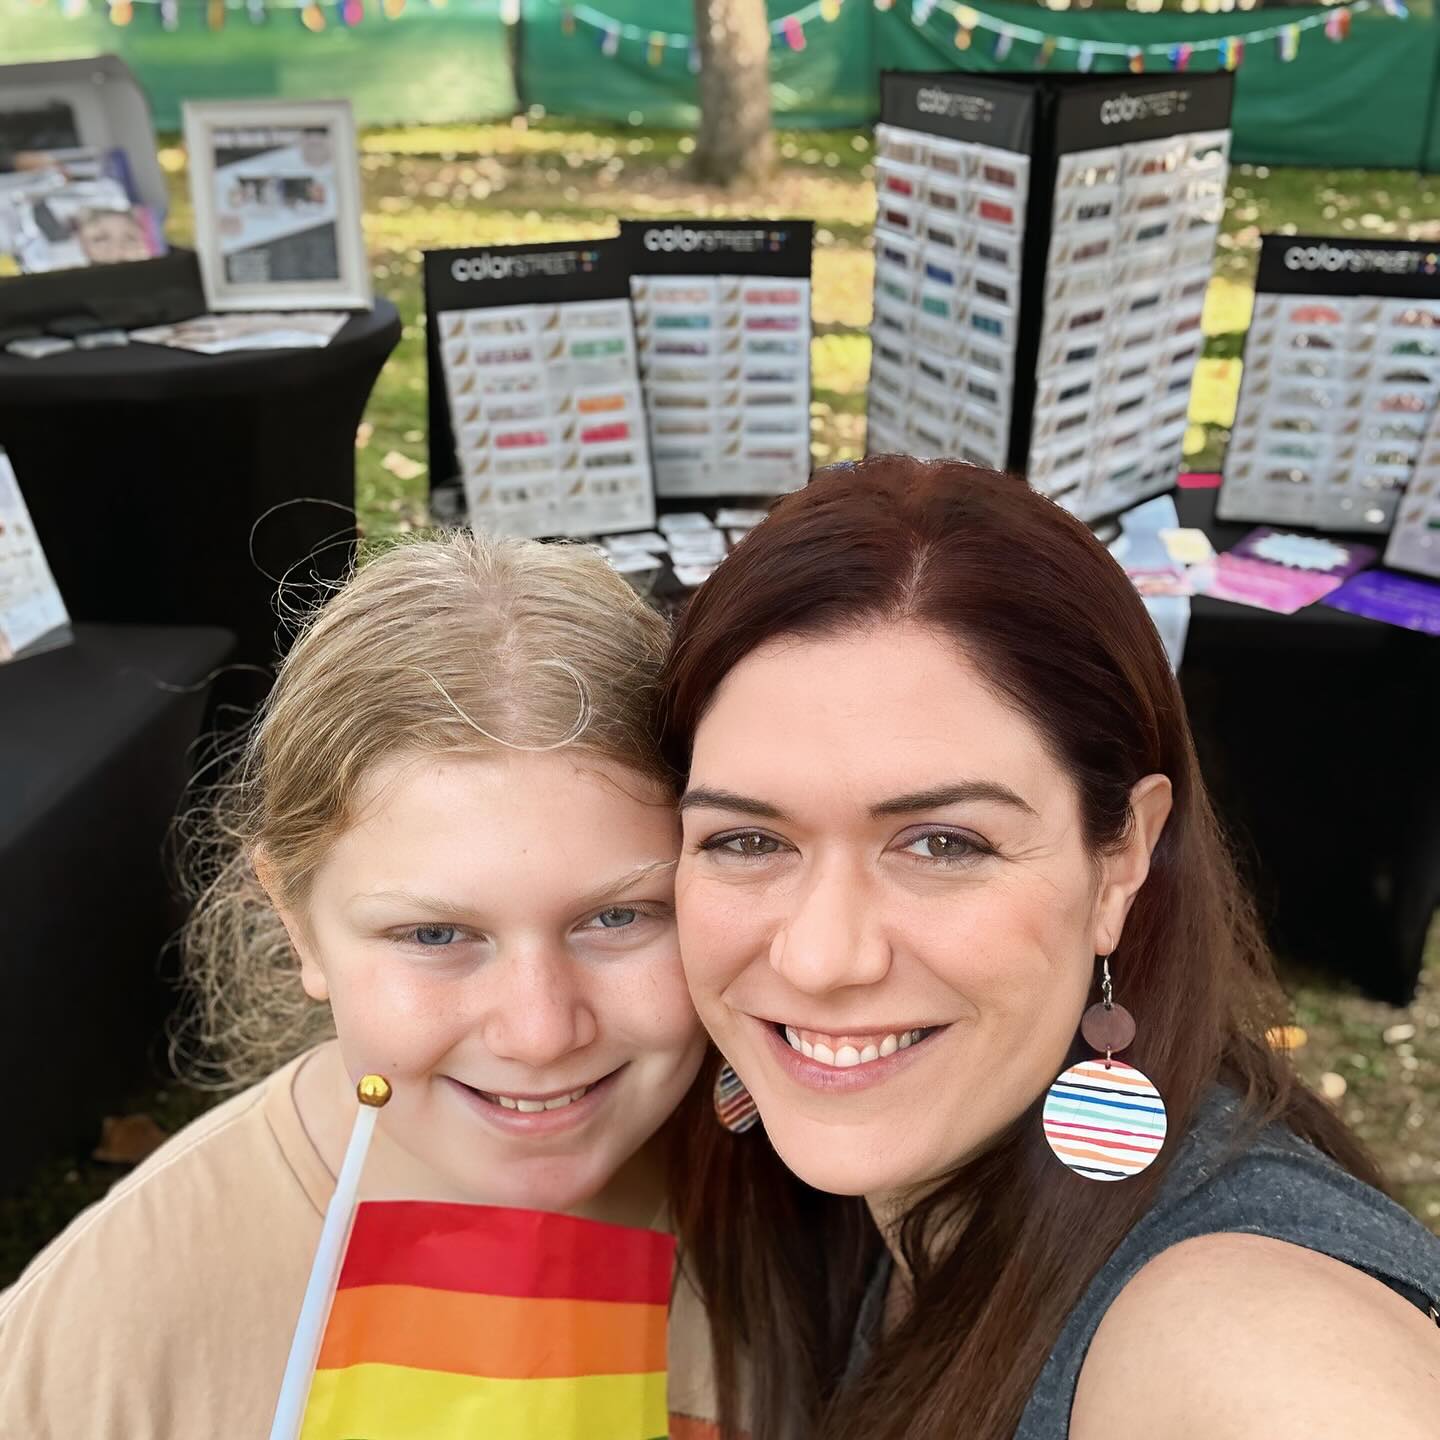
[
  {"x": 496, "y": 935},
  {"x": 888, "y": 911}
]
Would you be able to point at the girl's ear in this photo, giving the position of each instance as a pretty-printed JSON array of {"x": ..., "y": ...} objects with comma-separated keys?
[{"x": 312, "y": 974}]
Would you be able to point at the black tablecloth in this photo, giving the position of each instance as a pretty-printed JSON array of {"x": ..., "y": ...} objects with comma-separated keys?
[
  {"x": 94, "y": 741},
  {"x": 1317, "y": 734},
  {"x": 146, "y": 470}
]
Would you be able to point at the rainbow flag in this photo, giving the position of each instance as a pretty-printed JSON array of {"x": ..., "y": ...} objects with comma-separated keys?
[{"x": 473, "y": 1321}]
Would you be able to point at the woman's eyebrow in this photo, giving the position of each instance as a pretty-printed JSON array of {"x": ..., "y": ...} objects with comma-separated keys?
[
  {"x": 960, "y": 793},
  {"x": 703, "y": 797}
]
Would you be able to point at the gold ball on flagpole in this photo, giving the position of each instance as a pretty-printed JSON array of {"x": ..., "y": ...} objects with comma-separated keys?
[{"x": 373, "y": 1090}]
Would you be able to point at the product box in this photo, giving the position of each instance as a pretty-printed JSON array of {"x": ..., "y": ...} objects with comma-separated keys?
[
  {"x": 535, "y": 398},
  {"x": 1052, "y": 237}
]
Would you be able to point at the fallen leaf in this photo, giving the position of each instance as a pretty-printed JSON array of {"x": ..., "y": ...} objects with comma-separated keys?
[
  {"x": 1398, "y": 1033},
  {"x": 1286, "y": 1037},
  {"x": 1333, "y": 1086},
  {"x": 402, "y": 467},
  {"x": 363, "y": 434},
  {"x": 128, "y": 1139}
]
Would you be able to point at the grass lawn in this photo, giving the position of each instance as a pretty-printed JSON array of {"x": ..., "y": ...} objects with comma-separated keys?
[{"x": 463, "y": 185}]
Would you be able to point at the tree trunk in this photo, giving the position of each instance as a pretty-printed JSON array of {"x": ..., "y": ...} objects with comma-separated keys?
[{"x": 734, "y": 144}]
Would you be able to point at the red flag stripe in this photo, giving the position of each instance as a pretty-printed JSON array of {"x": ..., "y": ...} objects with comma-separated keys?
[{"x": 492, "y": 1251}]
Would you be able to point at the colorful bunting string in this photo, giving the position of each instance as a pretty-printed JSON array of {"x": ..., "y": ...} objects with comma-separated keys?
[
  {"x": 789, "y": 29},
  {"x": 1229, "y": 49}
]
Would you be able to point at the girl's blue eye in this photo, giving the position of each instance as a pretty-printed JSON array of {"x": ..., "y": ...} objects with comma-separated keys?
[
  {"x": 434, "y": 935},
  {"x": 616, "y": 918}
]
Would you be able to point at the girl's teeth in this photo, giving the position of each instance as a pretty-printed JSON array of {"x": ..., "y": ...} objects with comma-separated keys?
[
  {"x": 847, "y": 1056},
  {"x": 533, "y": 1107}
]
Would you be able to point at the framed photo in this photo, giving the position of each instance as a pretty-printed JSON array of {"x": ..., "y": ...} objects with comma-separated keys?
[{"x": 276, "y": 189}]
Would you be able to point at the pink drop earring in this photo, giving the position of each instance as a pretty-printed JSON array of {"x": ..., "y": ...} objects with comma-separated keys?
[
  {"x": 1104, "y": 1119},
  {"x": 734, "y": 1107}
]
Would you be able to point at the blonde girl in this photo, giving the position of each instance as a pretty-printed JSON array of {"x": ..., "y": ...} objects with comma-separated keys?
[{"x": 448, "y": 855}]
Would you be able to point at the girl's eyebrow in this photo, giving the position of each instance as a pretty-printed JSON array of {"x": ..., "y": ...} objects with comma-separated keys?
[
  {"x": 622, "y": 885},
  {"x": 605, "y": 894}
]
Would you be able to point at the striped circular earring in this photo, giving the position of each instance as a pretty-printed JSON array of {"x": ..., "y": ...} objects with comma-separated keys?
[
  {"x": 1104, "y": 1119},
  {"x": 734, "y": 1107}
]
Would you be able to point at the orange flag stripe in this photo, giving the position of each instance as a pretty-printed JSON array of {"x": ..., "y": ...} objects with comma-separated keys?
[{"x": 501, "y": 1337}]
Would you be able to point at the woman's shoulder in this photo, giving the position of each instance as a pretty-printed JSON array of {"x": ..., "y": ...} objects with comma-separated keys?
[
  {"x": 1283, "y": 1234},
  {"x": 1222, "y": 1328},
  {"x": 192, "y": 1257}
]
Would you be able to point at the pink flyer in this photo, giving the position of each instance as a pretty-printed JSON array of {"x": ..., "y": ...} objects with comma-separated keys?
[{"x": 1262, "y": 584}]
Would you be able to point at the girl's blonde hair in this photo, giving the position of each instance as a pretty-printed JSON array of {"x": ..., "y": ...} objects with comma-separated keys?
[{"x": 452, "y": 644}]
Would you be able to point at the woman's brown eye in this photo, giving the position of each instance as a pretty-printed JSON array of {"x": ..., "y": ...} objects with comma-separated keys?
[
  {"x": 947, "y": 847},
  {"x": 754, "y": 844}
]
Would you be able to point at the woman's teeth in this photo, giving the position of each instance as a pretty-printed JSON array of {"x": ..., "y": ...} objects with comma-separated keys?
[
  {"x": 844, "y": 1051},
  {"x": 532, "y": 1107}
]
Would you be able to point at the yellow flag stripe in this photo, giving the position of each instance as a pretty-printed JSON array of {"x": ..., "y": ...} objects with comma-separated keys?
[{"x": 395, "y": 1402}]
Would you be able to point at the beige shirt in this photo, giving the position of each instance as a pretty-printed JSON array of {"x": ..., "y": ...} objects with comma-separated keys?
[{"x": 165, "y": 1311}]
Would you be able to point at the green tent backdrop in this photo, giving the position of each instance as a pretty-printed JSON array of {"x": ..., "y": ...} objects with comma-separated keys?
[
  {"x": 1370, "y": 100},
  {"x": 431, "y": 64}
]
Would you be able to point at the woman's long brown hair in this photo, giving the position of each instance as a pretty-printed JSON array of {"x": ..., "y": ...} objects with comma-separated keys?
[{"x": 1057, "y": 628}]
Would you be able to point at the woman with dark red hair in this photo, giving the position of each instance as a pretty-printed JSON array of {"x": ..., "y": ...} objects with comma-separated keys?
[{"x": 955, "y": 908}]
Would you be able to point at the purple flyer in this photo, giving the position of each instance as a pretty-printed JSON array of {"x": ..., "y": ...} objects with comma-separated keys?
[
  {"x": 1313, "y": 554},
  {"x": 1395, "y": 599}
]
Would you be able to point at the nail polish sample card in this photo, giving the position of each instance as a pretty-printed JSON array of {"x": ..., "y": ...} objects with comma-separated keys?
[
  {"x": 722, "y": 318},
  {"x": 542, "y": 416},
  {"x": 1340, "y": 383}
]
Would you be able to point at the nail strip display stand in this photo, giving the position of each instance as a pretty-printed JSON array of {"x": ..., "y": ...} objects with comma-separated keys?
[
  {"x": 1042, "y": 249},
  {"x": 722, "y": 314},
  {"x": 535, "y": 388},
  {"x": 1341, "y": 375}
]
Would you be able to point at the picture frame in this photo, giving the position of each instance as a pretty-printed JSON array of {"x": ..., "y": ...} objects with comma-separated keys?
[{"x": 276, "y": 191}]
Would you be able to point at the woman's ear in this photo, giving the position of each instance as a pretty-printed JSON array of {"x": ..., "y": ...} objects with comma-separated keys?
[
  {"x": 1124, "y": 870},
  {"x": 312, "y": 975}
]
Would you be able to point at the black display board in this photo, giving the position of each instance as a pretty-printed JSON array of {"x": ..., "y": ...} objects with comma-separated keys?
[
  {"x": 1043, "y": 246},
  {"x": 722, "y": 316},
  {"x": 535, "y": 399},
  {"x": 1339, "y": 387}
]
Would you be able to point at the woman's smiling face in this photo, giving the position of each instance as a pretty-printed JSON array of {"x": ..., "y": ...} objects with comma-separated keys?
[
  {"x": 888, "y": 913},
  {"x": 496, "y": 935}
]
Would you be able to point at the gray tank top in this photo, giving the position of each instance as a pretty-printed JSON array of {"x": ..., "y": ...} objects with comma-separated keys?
[{"x": 1279, "y": 1186}]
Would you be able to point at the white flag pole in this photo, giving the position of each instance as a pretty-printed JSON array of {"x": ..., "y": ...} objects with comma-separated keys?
[{"x": 373, "y": 1092}]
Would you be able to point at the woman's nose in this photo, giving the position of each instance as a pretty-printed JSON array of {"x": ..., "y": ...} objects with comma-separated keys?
[{"x": 832, "y": 938}]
